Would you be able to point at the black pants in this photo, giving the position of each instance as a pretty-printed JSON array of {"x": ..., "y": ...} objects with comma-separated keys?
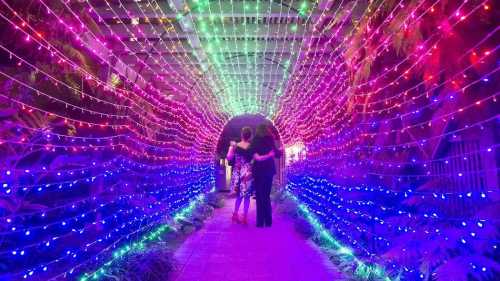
[{"x": 263, "y": 184}]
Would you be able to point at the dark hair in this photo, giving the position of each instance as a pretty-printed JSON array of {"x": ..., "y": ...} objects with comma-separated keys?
[
  {"x": 246, "y": 133},
  {"x": 262, "y": 130}
]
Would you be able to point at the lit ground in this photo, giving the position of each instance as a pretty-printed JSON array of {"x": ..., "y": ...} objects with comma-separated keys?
[{"x": 223, "y": 251}]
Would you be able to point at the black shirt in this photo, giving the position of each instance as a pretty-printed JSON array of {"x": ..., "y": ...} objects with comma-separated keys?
[
  {"x": 245, "y": 154},
  {"x": 262, "y": 146}
]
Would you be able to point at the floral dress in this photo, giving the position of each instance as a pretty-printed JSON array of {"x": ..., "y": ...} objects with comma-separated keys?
[{"x": 241, "y": 178}]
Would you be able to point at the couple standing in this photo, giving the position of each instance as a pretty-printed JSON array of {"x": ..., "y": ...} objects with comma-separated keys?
[{"x": 253, "y": 170}]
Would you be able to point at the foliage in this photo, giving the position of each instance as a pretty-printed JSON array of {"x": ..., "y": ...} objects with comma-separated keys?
[
  {"x": 342, "y": 257},
  {"x": 155, "y": 263},
  {"x": 151, "y": 257},
  {"x": 435, "y": 247}
]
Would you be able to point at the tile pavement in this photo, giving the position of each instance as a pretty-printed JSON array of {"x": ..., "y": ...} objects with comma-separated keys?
[{"x": 223, "y": 251}]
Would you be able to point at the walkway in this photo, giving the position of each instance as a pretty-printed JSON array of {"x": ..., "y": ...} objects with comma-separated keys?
[{"x": 223, "y": 251}]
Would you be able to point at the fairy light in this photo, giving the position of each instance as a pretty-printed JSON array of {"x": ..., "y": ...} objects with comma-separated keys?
[
  {"x": 181, "y": 182},
  {"x": 362, "y": 270},
  {"x": 142, "y": 243},
  {"x": 364, "y": 97},
  {"x": 78, "y": 67},
  {"x": 355, "y": 144}
]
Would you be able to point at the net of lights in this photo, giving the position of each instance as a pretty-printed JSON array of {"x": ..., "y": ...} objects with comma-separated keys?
[
  {"x": 115, "y": 163},
  {"x": 362, "y": 269},
  {"x": 147, "y": 239},
  {"x": 386, "y": 170},
  {"x": 109, "y": 112}
]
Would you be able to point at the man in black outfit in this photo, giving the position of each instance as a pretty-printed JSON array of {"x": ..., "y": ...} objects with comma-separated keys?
[{"x": 264, "y": 150}]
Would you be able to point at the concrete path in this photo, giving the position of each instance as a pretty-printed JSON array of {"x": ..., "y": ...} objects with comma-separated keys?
[{"x": 223, "y": 251}]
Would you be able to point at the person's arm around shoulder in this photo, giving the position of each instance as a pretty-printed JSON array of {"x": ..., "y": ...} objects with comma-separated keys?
[
  {"x": 264, "y": 157},
  {"x": 230, "y": 152}
]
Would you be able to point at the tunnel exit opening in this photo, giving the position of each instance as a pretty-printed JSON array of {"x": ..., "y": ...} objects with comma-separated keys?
[{"x": 231, "y": 132}]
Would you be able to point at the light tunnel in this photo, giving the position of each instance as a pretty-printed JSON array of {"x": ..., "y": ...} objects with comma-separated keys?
[{"x": 113, "y": 116}]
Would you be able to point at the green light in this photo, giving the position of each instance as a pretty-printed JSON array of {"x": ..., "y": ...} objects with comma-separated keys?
[
  {"x": 303, "y": 9},
  {"x": 233, "y": 62},
  {"x": 141, "y": 244},
  {"x": 363, "y": 271},
  {"x": 345, "y": 251}
]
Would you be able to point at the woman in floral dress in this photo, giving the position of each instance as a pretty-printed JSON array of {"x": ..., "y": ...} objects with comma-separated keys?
[{"x": 240, "y": 156}]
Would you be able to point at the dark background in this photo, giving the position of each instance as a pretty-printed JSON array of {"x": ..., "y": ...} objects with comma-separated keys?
[{"x": 232, "y": 130}]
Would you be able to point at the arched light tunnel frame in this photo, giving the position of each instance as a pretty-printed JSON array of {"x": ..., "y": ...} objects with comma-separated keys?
[{"x": 222, "y": 172}]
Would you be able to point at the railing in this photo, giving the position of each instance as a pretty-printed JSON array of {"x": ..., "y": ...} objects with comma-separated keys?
[{"x": 462, "y": 171}]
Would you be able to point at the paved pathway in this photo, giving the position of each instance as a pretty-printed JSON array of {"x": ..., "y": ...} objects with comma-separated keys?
[{"x": 222, "y": 251}]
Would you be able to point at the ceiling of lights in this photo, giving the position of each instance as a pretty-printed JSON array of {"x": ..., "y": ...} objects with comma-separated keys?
[{"x": 242, "y": 53}]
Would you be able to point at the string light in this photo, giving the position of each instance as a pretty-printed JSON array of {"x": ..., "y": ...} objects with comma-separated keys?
[{"x": 390, "y": 108}]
